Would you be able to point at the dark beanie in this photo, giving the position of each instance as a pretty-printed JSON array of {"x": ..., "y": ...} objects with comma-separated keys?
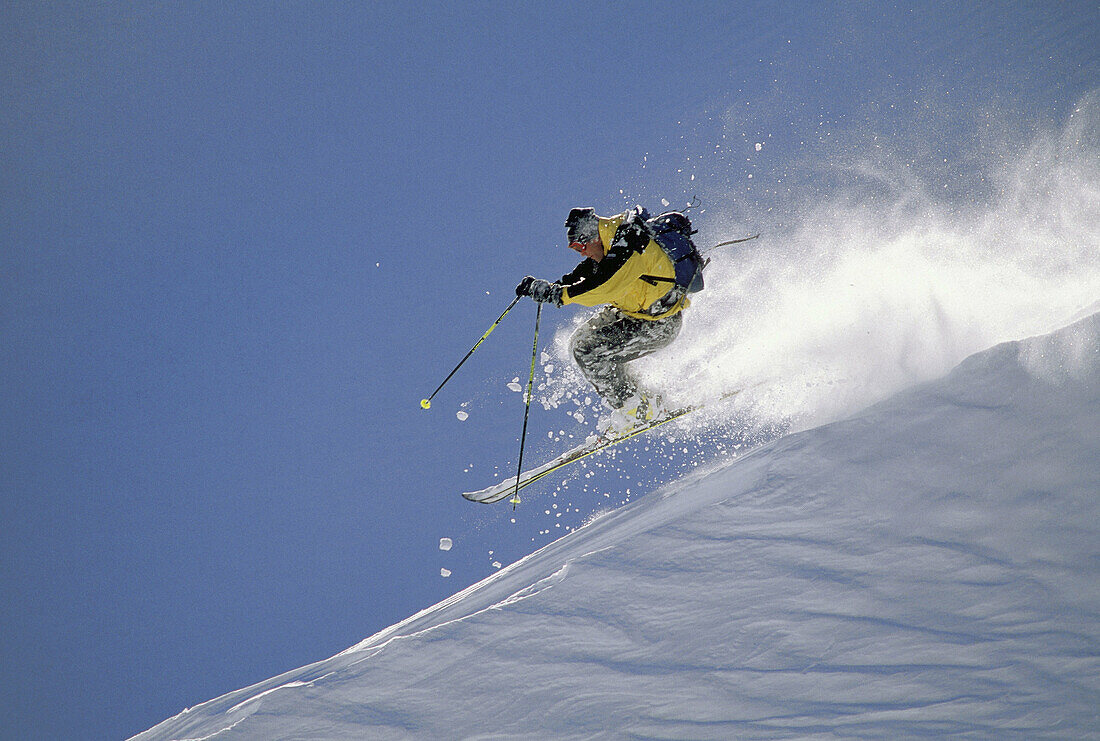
[{"x": 582, "y": 224}]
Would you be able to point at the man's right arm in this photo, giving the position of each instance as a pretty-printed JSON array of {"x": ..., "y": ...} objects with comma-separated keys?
[{"x": 540, "y": 290}]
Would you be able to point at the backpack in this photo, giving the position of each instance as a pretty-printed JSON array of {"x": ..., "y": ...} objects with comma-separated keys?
[{"x": 672, "y": 231}]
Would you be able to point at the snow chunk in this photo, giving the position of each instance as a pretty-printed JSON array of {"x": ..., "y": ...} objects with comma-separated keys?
[
  {"x": 445, "y": 544},
  {"x": 514, "y": 385},
  {"x": 444, "y": 573},
  {"x": 462, "y": 416}
]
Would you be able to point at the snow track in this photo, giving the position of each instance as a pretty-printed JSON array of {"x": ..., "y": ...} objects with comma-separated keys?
[{"x": 929, "y": 567}]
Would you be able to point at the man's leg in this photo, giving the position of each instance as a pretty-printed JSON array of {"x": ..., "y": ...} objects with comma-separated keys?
[{"x": 606, "y": 342}]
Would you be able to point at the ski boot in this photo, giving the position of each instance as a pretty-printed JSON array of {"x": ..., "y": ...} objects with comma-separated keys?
[{"x": 639, "y": 410}]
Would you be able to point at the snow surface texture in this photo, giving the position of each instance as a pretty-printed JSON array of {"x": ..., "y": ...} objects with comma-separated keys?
[{"x": 929, "y": 567}]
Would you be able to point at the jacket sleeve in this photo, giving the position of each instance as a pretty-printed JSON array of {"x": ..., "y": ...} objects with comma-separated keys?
[
  {"x": 578, "y": 273},
  {"x": 590, "y": 275}
]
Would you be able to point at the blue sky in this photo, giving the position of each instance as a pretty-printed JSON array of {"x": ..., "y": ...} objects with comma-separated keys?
[{"x": 240, "y": 242}]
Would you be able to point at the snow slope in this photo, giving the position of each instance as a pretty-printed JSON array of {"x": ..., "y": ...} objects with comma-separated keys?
[{"x": 929, "y": 567}]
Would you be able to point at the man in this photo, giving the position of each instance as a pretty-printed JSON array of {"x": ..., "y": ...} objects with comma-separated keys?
[{"x": 628, "y": 272}]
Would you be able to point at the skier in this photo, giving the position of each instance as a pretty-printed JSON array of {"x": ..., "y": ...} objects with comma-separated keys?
[{"x": 629, "y": 273}]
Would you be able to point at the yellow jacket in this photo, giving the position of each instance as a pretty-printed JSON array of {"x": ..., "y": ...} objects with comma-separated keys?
[{"x": 631, "y": 279}]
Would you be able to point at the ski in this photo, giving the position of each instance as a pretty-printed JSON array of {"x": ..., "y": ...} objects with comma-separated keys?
[{"x": 500, "y": 490}]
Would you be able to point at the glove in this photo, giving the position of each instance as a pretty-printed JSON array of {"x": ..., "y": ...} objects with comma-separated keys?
[
  {"x": 524, "y": 287},
  {"x": 540, "y": 290}
]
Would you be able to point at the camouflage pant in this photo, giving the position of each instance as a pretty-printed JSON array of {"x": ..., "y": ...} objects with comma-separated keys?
[{"x": 609, "y": 340}]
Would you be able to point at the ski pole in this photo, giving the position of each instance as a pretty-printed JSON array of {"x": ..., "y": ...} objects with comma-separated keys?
[
  {"x": 527, "y": 408},
  {"x": 427, "y": 403},
  {"x": 732, "y": 241}
]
